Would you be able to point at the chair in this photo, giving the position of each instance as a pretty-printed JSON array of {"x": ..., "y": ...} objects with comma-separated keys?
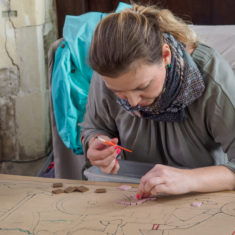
[{"x": 64, "y": 158}]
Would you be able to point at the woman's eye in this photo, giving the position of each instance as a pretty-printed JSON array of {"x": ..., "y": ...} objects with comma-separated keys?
[{"x": 143, "y": 88}]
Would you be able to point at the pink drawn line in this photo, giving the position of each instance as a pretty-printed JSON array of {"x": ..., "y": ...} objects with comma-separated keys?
[
  {"x": 196, "y": 204},
  {"x": 155, "y": 227},
  {"x": 125, "y": 187}
]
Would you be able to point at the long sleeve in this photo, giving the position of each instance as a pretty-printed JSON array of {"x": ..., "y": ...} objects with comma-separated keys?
[
  {"x": 219, "y": 102},
  {"x": 99, "y": 117}
]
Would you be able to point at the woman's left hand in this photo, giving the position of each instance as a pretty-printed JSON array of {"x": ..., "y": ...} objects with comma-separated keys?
[
  {"x": 170, "y": 180},
  {"x": 166, "y": 180}
]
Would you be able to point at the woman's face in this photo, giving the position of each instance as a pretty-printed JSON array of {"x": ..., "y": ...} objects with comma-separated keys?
[{"x": 140, "y": 85}]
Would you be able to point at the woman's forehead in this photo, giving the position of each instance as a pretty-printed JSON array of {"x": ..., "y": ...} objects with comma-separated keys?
[{"x": 133, "y": 78}]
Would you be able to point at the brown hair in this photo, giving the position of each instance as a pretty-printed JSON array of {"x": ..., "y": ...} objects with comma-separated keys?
[{"x": 134, "y": 34}]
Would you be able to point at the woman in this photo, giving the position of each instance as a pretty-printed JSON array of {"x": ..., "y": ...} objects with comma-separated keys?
[{"x": 166, "y": 96}]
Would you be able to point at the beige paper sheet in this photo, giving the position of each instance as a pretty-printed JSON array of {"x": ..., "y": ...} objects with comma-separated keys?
[{"x": 27, "y": 206}]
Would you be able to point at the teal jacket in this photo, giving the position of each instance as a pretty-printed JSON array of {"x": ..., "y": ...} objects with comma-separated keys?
[{"x": 71, "y": 76}]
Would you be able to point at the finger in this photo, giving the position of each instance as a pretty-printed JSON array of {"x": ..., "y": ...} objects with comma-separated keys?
[
  {"x": 95, "y": 154},
  {"x": 153, "y": 173},
  {"x": 98, "y": 144},
  {"x": 141, "y": 194},
  {"x": 114, "y": 140},
  {"x": 151, "y": 183},
  {"x": 93, "y": 143},
  {"x": 141, "y": 187},
  {"x": 115, "y": 168},
  {"x": 160, "y": 189},
  {"x": 147, "y": 183},
  {"x": 104, "y": 162},
  {"x": 109, "y": 168},
  {"x": 140, "y": 191},
  {"x": 146, "y": 195}
]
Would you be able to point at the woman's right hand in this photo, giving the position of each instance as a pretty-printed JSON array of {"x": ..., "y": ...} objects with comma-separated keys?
[{"x": 103, "y": 155}]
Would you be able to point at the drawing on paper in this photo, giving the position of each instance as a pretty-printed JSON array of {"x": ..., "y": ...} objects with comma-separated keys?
[{"x": 29, "y": 207}]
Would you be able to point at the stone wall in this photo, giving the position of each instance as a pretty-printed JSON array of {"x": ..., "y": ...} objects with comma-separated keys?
[{"x": 27, "y": 28}]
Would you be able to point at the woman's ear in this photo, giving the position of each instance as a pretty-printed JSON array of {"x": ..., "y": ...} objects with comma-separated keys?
[{"x": 166, "y": 53}]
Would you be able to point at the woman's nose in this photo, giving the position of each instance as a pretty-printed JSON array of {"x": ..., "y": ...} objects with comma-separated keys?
[{"x": 133, "y": 99}]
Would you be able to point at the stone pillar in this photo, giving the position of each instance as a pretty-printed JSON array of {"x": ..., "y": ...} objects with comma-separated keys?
[{"x": 27, "y": 27}]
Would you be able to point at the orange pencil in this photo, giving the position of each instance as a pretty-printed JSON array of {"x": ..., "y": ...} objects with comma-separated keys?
[{"x": 110, "y": 143}]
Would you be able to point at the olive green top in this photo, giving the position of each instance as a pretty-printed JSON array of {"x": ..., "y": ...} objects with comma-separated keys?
[{"x": 205, "y": 138}]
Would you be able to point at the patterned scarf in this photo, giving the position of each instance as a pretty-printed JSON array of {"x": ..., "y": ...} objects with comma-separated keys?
[{"x": 183, "y": 85}]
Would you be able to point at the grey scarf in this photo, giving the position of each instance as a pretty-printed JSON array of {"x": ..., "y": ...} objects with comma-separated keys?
[{"x": 183, "y": 85}]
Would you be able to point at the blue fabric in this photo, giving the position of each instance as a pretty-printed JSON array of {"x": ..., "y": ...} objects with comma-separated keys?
[{"x": 71, "y": 76}]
